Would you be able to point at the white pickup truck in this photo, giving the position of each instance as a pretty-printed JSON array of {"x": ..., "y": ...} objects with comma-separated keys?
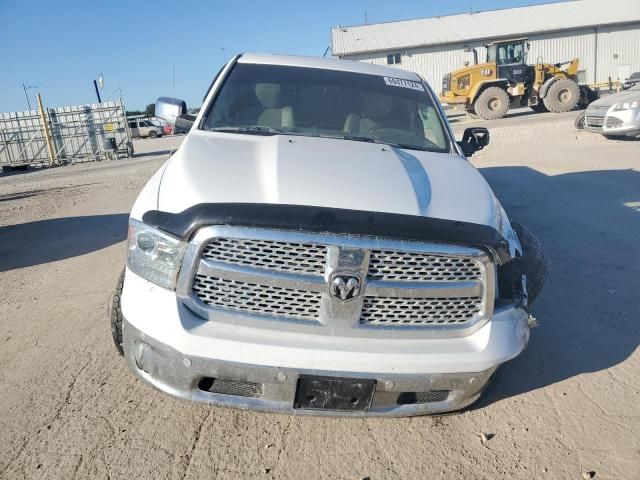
[{"x": 319, "y": 244}]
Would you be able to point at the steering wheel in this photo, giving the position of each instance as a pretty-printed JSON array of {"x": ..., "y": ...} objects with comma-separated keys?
[
  {"x": 409, "y": 138},
  {"x": 375, "y": 129}
]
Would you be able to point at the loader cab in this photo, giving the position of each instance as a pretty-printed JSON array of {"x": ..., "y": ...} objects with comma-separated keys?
[{"x": 510, "y": 58}]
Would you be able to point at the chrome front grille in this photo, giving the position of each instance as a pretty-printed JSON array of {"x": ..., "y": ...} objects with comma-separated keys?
[
  {"x": 419, "y": 311},
  {"x": 594, "y": 121},
  {"x": 283, "y": 279},
  {"x": 594, "y": 116},
  {"x": 257, "y": 299},
  {"x": 305, "y": 258},
  {"x": 419, "y": 267}
]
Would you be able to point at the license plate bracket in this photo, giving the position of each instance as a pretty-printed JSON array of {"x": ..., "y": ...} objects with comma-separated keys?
[{"x": 334, "y": 393}]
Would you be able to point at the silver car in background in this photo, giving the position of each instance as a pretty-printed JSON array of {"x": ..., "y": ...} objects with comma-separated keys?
[{"x": 617, "y": 115}]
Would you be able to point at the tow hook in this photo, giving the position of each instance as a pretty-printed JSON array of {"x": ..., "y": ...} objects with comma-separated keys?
[{"x": 532, "y": 321}]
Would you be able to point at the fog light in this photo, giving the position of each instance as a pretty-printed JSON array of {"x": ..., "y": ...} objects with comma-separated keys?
[{"x": 141, "y": 351}]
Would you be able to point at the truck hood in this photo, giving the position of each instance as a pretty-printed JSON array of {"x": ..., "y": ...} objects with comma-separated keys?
[
  {"x": 620, "y": 97},
  {"x": 212, "y": 167},
  {"x": 472, "y": 68}
]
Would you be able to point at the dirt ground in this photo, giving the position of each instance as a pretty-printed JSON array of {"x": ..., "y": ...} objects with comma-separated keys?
[{"x": 569, "y": 405}]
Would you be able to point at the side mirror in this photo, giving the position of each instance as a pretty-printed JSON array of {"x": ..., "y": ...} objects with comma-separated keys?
[
  {"x": 473, "y": 140},
  {"x": 184, "y": 123},
  {"x": 169, "y": 108}
]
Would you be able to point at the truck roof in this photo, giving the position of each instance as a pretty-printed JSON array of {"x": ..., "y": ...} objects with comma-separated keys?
[
  {"x": 327, "y": 64},
  {"x": 508, "y": 40}
]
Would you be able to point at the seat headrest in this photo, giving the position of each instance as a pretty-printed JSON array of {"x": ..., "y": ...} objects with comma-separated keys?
[
  {"x": 377, "y": 106},
  {"x": 268, "y": 94}
]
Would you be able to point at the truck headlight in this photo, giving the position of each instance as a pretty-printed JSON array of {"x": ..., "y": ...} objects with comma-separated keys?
[
  {"x": 153, "y": 254},
  {"x": 625, "y": 106},
  {"x": 464, "y": 82}
]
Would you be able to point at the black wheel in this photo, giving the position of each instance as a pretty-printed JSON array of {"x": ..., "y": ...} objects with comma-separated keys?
[
  {"x": 540, "y": 108},
  {"x": 579, "y": 121},
  {"x": 471, "y": 113},
  {"x": 492, "y": 103},
  {"x": 562, "y": 96},
  {"x": 152, "y": 134},
  {"x": 115, "y": 314},
  {"x": 533, "y": 263},
  {"x": 587, "y": 95}
]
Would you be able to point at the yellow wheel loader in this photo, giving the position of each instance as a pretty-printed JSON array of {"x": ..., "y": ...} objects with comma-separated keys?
[{"x": 487, "y": 90}]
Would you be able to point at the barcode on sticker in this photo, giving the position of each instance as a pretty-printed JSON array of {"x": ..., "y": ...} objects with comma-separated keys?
[{"x": 401, "y": 82}]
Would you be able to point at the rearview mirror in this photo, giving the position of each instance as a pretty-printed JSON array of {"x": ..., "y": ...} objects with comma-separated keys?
[{"x": 473, "y": 140}]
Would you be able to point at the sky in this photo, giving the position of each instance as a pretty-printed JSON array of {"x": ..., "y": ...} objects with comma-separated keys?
[{"x": 168, "y": 47}]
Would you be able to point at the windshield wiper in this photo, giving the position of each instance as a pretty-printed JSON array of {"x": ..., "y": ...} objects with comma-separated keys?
[
  {"x": 357, "y": 138},
  {"x": 252, "y": 130},
  {"x": 408, "y": 146},
  {"x": 260, "y": 130}
]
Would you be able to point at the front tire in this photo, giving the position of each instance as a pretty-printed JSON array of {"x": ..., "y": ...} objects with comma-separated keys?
[
  {"x": 115, "y": 314},
  {"x": 533, "y": 263},
  {"x": 492, "y": 103},
  {"x": 540, "y": 108},
  {"x": 471, "y": 113},
  {"x": 580, "y": 121},
  {"x": 562, "y": 96},
  {"x": 153, "y": 134}
]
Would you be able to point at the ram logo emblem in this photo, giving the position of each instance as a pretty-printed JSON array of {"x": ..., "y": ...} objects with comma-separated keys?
[{"x": 345, "y": 287}]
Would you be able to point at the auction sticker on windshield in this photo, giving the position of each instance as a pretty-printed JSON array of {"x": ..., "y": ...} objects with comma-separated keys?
[{"x": 401, "y": 82}]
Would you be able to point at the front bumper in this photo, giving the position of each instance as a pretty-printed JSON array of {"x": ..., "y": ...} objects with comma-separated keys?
[
  {"x": 172, "y": 349},
  {"x": 450, "y": 98},
  {"x": 185, "y": 377},
  {"x": 624, "y": 123}
]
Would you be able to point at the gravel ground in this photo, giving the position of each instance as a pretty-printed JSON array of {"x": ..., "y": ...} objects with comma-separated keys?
[{"x": 567, "y": 408}]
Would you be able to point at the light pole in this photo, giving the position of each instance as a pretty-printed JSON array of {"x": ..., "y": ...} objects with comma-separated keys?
[
  {"x": 25, "y": 88},
  {"x": 99, "y": 84}
]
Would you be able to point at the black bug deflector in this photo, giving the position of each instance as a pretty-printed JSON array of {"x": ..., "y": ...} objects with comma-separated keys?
[{"x": 329, "y": 220}]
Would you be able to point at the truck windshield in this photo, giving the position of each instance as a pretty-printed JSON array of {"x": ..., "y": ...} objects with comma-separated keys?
[
  {"x": 506, "y": 53},
  {"x": 273, "y": 99}
]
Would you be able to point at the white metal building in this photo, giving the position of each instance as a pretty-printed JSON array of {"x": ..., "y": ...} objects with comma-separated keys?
[{"x": 603, "y": 34}]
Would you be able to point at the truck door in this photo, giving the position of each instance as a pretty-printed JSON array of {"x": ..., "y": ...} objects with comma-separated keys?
[
  {"x": 511, "y": 60},
  {"x": 133, "y": 126},
  {"x": 143, "y": 128}
]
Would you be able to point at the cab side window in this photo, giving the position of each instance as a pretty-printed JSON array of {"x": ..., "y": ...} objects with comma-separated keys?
[
  {"x": 433, "y": 131},
  {"x": 510, "y": 53}
]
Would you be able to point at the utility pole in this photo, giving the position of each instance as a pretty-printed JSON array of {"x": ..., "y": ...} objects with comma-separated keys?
[
  {"x": 95, "y": 84},
  {"x": 47, "y": 132},
  {"x": 224, "y": 54},
  {"x": 25, "y": 88}
]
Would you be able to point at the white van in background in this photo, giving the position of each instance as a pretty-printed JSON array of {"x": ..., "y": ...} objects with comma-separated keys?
[{"x": 143, "y": 128}]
